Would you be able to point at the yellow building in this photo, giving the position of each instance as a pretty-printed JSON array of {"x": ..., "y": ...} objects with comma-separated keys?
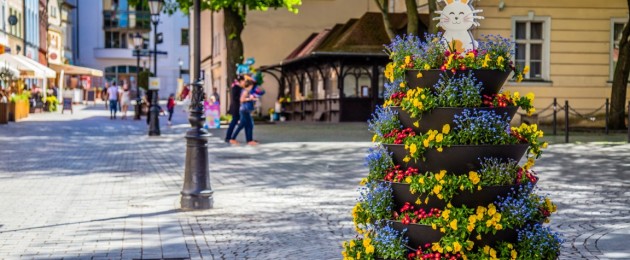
[{"x": 570, "y": 46}]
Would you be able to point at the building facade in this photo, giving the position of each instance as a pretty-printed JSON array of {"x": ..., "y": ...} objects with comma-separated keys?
[
  {"x": 570, "y": 46},
  {"x": 270, "y": 36},
  {"x": 54, "y": 33},
  {"x": 15, "y": 31},
  {"x": 31, "y": 33},
  {"x": 107, "y": 44}
]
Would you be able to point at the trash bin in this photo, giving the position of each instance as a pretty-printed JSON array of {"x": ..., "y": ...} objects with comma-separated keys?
[{"x": 4, "y": 113}]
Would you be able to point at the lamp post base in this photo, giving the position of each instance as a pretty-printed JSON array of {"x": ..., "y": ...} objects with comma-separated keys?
[
  {"x": 154, "y": 116},
  {"x": 197, "y": 192}
]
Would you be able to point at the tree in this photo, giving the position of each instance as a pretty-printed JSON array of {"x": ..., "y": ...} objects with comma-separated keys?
[
  {"x": 234, "y": 15},
  {"x": 620, "y": 80},
  {"x": 413, "y": 20}
]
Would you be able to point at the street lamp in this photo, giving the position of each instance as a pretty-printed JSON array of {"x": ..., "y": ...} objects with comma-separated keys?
[
  {"x": 138, "y": 40},
  {"x": 181, "y": 63},
  {"x": 197, "y": 192},
  {"x": 155, "y": 7}
]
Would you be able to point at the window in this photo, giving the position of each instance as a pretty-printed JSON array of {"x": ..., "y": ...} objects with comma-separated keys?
[
  {"x": 616, "y": 29},
  {"x": 531, "y": 35},
  {"x": 185, "y": 39},
  {"x": 115, "y": 40}
]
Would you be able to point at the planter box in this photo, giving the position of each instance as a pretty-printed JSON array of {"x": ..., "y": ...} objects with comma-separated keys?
[
  {"x": 418, "y": 234},
  {"x": 4, "y": 113},
  {"x": 18, "y": 110}
]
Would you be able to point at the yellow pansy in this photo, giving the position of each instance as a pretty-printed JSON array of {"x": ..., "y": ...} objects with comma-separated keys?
[
  {"x": 516, "y": 95},
  {"x": 500, "y": 60},
  {"x": 425, "y": 143},
  {"x": 498, "y": 226},
  {"x": 402, "y": 84},
  {"x": 408, "y": 179},
  {"x": 513, "y": 254},
  {"x": 474, "y": 177},
  {"x": 491, "y": 210},
  {"x": 437, "y": 189},
  {"x": 446, "y": 128},
  {"x": 440, "y": 149},
  {"x": 374, "y": 138},
  {"x": 407, "y": 59},
  {"x": 369, "y": 249},
  {"x": 427, "y": 67},
  {"x": 453, "y": 224},
  {"x": 406, "y": 159},
  {"x": 413, "y": 148},
  {"x": 416, "y": 124},
  {"x": 419, "y": 75},
  {"x": 439, "y": 138},
  {"x": 457, "y": 247},
  {"x": 530, "y": 96},
  {"x": 485, "y": 61},
  {"x": 445, "y": 214},
  {"x": 526, "y": 69}
]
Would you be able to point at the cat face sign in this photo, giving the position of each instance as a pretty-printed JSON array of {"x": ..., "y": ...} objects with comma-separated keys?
[{"x": 456, "y": 18}]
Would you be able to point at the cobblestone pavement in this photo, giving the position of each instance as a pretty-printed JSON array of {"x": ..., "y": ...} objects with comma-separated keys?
[{"x": 82, "y": 186}]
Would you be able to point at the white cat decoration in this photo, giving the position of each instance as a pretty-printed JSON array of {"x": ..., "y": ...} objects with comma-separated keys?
[{"x": 457, "y": 18}]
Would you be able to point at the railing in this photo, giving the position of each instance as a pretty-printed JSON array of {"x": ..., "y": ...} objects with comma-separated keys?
[
  {"x": 126, "y": 20},
  {"x": 571, "y": 114}
]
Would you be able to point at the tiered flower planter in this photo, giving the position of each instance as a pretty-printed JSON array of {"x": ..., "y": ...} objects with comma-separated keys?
[{"x": 492, "y": 80}]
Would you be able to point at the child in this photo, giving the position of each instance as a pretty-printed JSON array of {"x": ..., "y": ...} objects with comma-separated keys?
[{"x": 170, "y": 106}]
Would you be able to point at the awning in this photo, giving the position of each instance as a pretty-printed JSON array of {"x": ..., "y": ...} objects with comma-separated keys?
[
  {"x": 47, "y": 72},
  {"x": 7, "y": 66},
  {"x": 76, "y": 70},
  {"x": 28, "y": 68},
  {"x": 25, "y": 69}
]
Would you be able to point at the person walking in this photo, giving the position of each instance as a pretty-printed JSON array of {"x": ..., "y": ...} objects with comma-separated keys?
[
  {"x": 170, "y": 106},
  {"x": 245, "y": 113},
  {"x": 112, "y": 93},
  {"x": 104, "y": 95},
  {"x": 125, "y": 100},
  {"x": 235, "y": 104}
]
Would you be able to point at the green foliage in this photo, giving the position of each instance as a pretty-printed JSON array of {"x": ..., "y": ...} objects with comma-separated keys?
[
  {"x": 241, "y": 6},
  {"x": 52, "y": 103},
  {"x": 24, "y": 96}
]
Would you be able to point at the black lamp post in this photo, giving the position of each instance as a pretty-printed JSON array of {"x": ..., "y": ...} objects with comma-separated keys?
[
  {"x": 154, "y": 112},
  {"x": 138, "y": 40},
  {"x": 197, "y": 192}
]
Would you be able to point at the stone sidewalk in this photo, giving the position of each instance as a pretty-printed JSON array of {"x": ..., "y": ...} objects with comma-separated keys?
[{"x": 82, "y": 186}]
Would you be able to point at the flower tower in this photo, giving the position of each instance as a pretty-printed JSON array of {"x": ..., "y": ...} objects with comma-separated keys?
[{"x": 449, "y": 177}]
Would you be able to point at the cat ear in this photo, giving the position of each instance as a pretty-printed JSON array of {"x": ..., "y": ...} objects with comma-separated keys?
[
  {"x": 449, "y": 1},
  {"x": 464, "y": 1}
]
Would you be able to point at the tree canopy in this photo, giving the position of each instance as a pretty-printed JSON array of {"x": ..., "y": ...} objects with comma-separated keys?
[{"x": 239, "y": 6}]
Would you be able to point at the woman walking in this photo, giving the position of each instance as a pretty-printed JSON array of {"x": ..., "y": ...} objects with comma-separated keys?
[
  {"x": 125, "y": 100},
  {"x": 245, "y": 113},
  {"x": 235, "y": 104}
]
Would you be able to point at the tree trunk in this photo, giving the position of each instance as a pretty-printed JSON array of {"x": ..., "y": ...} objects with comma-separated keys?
[
  {"x": 383, "y": 6},
  {"x": 432, "y": 24},
  {"x": 620, "y": 81},
  {"x": 412, "y": 17},
  {"x": 233, "y": 25}
]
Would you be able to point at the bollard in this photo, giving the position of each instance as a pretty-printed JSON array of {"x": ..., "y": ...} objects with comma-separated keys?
[
  {"x": 607, "y": 105},
  {"x": 555, "y": 110},
  {"x": 566, "y": 121}
]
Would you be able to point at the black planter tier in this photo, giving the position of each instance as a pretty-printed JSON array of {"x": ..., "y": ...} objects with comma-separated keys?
[
  {"x": 504, "y": 235},
  {"x": 483, "y": 197},
  {"x": 436, "y": 118},
  {"x": 417, "y": 234},
  {"x": 492, "y": 80},
  {"x": 457, "y": 159}
]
